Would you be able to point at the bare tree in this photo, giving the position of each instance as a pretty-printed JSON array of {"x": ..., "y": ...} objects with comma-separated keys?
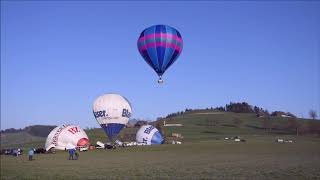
[
  {"x": 313, "y": 114},
  {"x": 266, "y": 123},
  {"x": 140, "y": 123},
  {"x": 303, "y": 129},
  {"x": 293, "y": 124}
]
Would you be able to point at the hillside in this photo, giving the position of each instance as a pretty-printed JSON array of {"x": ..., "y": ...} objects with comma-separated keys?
[
  {"x": 21, "y": 139},
  {"x": 206, "y": 124},
  {"x": 198, "y": 125},
  {"x": 201, "y": 125},
  {"x": 31, "y": 136}
]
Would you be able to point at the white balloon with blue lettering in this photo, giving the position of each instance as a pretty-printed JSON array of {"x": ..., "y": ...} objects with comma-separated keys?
[
  {"x": 112, "y": 112},
  {"x": 149, "y": 135}
]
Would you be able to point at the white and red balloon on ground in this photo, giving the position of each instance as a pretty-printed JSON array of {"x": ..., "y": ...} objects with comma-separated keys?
[{"x": 66, "y": 137}]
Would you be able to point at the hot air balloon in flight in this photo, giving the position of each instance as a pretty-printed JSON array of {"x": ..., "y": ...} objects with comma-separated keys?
[
  {"x": 160, "y": 46},
  {"x": 112, "y": 111},
  {"x": 149, "y": 135}
]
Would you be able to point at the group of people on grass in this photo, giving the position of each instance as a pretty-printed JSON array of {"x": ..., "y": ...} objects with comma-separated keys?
[{"x": 73, "y": 154}]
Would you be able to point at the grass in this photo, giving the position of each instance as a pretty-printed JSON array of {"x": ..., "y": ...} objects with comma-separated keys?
[
  {"x": 258, "y": 158},
  {"x": 203, "y": 155},
  {"x": 196, "y": 127}
]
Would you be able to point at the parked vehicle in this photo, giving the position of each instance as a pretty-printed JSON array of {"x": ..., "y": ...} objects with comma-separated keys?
[
  {"x": 83, "y": 148},
  {"x": 40, "y": 151},
  {"x": 13, "y": 151}
]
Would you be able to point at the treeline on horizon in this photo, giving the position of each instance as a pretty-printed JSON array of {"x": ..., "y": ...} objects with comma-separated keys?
[
  {"x": 35, "y": 130},
  {"x": 241, "y": 107}
]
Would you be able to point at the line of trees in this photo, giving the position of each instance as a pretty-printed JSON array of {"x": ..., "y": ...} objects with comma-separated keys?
[
  {"x": 242, "y": 107},
  {"x": 35, "y": 130},
  {"x": 11, "y": 130},
  {"x": 239, "y": 107}
]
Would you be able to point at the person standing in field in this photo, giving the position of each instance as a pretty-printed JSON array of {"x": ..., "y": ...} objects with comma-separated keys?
[
  {"x": 71, "y": 152},
  {"x": 76, "y": 154},
  {"x": 31, "y": 152},
  {"x": 15, "y": 152}
]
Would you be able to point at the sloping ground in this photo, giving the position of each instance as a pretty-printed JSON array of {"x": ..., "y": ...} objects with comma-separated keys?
[
  {"x": 203, "y": 155},
  {"x": 197, "y": 126},
  {"x": 31, "y": 136},
  {"x": 200, "y": 125},
  {"x": 21, "y": 139}
]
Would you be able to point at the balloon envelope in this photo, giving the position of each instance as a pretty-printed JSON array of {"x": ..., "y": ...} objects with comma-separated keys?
[
  {"x": 149, "y": 135},
  {"x": 160, "y": 46},
  {"x": 112, "y": 112},
  {"x": 66, "y": 137}
]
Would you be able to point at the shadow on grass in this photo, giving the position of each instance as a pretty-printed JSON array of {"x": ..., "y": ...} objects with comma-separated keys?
[
  {"x": 209, "y": 132},
  {"x": 255, "y": 127}
]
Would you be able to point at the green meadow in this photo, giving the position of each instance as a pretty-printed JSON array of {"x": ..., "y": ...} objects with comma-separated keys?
[{"x": 203, "y": 154}]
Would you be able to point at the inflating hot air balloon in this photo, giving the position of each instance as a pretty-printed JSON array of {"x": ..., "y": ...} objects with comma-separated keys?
[
  {"x": 112, "y": 112},
  {"x": 66, "y": 137},
  {"x": 160, "y": 46},
  {"x": 149, "y": 135}
]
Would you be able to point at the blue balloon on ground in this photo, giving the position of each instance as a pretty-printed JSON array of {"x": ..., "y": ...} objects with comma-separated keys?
[{"x": 149, "y": 135}]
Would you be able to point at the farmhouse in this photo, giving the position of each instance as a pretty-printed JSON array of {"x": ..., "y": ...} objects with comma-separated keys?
[
  {"x": 282, "y": 114},
  {"x": 177, "y": 135}
]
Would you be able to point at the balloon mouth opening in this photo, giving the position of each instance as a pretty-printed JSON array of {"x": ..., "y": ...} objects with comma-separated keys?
[
  {"x": 160, "y": 81},
  {"x": 83, "y": 142}
]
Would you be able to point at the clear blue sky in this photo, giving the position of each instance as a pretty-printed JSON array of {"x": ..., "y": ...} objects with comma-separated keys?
[{"x": 57, "y": 57}]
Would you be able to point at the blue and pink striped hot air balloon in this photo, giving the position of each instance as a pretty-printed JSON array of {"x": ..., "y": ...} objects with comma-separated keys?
[{"x": 160, "y": 46}]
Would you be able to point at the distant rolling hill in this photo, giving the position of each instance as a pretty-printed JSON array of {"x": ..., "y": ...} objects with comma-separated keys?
[
  {"x": 32, "y": 136},
  {"x": 197, "y": 125},
  {"x": 210, "y": 124},
  {"x": 20, "y": 139}
]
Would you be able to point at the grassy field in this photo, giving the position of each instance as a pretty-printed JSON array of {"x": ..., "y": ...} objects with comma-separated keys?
[
  {"x": 204, "y": 153},
  {"x": 197, "y": 126},
  {"x": 258, "y": 158}
]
